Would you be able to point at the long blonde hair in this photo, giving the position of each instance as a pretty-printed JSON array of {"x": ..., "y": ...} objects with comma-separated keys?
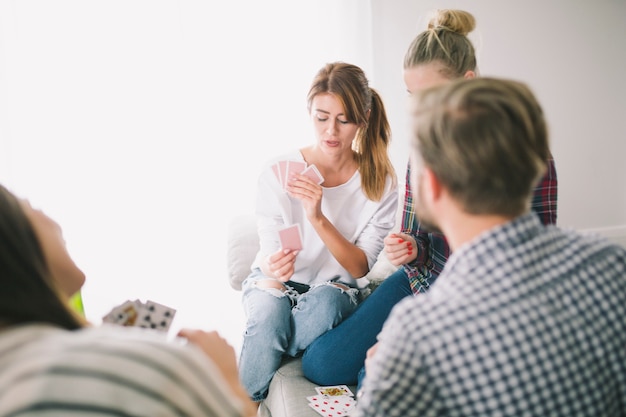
[{"x": 349, "y": 84}]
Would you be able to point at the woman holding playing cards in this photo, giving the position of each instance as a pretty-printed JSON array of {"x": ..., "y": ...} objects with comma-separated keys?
[
  {"x": 303, "y": 285},
  {"x": 54, "y": 363}
]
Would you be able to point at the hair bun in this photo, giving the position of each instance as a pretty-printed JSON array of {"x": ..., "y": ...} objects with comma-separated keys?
[{"x": 454, "y": 20}]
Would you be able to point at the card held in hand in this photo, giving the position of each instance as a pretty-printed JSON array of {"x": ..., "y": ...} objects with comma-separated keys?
[
  {"x": 156, "y": 316},
  {"x": 314, "y": 174},
  {"x": 293, "y": 167},
  {"x": 290, "y": 237},
  {"x": 138, "y": 314}
]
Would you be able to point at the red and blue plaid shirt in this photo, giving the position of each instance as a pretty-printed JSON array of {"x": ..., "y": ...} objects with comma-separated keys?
[{"x": 432, "y": 248}]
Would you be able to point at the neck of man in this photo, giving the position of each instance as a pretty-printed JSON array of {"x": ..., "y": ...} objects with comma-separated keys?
[{"x": 460, "y": 227}]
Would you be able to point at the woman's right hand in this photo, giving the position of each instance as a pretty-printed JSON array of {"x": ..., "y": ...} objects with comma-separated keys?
[
  {"x": 400, "y": 248},
  {"x": 280, "y": 264},
  {"x": 309, "y": 193}
]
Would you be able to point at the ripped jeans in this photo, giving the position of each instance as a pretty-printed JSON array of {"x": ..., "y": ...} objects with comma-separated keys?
[{"x": 284, "y": 323}]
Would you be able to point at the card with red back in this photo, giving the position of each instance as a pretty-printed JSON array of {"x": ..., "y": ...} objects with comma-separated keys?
[
  {"x": 293, "y": 167},
  {"x": 313, "y": 173},
  {"x": 276, "y": 171},
  {"x": 290, "y": 237},
  {"x": 282, "y": 170}
]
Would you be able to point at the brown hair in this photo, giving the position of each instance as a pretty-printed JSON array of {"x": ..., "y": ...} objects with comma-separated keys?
[
  {"x": 28, "y": 293},
  {"x": 445, "y": 41},
  {"x": 486, "y": 141},
  {"x": 349, "y": 84}
]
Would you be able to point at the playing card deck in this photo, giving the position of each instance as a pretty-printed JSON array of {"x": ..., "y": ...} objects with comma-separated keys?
[
  {"x": 135, "y": 313},
  {"x": 332, "y": 401},
  {"x": 283, "y": 170}
]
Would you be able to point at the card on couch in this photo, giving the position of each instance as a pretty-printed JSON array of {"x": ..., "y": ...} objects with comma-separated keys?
[{"x": 332, "y": 401}]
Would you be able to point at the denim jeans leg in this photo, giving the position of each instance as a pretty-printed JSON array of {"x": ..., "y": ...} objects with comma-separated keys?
[
  {"x": 267, "y": 335},
  {"x": 338, "y": 355},
  {"x": 319, "y": 310}
]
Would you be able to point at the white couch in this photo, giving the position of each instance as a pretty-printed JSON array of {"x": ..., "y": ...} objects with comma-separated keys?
[{"x": 289, "y": 388}]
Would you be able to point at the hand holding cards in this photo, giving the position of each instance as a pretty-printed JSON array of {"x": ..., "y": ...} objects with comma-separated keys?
[
  {"x": 149, "y": 315},
  {"x": 285, "y": 169}
]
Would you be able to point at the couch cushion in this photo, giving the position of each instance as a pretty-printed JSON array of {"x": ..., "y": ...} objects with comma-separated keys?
[
  {"x": 243, "y": 245},
  {"x": 288, "y": 391}
]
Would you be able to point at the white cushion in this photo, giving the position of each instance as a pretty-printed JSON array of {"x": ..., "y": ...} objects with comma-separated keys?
[{"x": 243, "y": 245}]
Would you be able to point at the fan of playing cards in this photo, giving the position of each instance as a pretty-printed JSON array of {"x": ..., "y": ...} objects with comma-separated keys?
[
  {"x": 332, "y": 401},
  {"x": 284, "y": 169},
  {"x": 136, "y": 313},
  {"x": 291, "y": 237}
]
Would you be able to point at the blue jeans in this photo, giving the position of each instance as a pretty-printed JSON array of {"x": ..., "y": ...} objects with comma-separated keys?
[
  {"x": 338, "y": 356},
  {"x": 284, "y": 323}
]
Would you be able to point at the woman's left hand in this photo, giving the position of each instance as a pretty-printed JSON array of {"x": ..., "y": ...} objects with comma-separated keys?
[{"x": 309, "y": 194}]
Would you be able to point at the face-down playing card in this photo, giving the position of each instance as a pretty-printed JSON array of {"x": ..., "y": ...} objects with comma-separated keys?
[
  {"x": 290, "y": 237},
  {"x": 313, "y": 173},
  {"x": 293, "y": 167},
  {"x": 283, "y": 170}
]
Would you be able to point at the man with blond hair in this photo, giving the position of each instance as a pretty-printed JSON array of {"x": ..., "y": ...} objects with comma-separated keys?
[{"x": 525, "y": 319}]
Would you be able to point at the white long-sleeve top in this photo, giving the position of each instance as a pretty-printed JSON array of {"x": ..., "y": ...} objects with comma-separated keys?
[{"x": 362, "y": 221}]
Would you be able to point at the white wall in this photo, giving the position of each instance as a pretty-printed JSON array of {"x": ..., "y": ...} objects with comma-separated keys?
[
  {"x": 572, "y": 54},
  {"x": 140, "y": 125}
]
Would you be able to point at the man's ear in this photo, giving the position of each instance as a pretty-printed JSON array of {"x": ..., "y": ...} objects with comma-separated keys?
[
  {"x": 431, "y": 185},
  {"x": 469, "y": 75}
]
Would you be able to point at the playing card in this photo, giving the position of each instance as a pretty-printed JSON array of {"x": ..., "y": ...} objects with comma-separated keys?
[
  {"x": 156, "y": 316},
  {"x": 282, "y": 170},
  {"x": 125, "y": 314},
  {"x": 276, "y": 170},
  {"x": 290, "y": 237},
  {"x": 293, "y": 167},
  {"x": 330, "y": 406},
  {"x": 312, "y": 172},
  {"x": 334, "y": 390},
  {"x": 115, "y": 317}
]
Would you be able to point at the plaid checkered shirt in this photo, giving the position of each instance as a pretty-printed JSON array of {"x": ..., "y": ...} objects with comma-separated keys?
[
  {"x": 525, "y": 320},
  {"x": 432, "y": 248}
]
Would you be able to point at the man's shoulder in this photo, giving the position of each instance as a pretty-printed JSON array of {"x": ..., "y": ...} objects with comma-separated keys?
[{"x": 584, "y": 249}]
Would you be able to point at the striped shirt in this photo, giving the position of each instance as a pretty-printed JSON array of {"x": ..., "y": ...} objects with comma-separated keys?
[
  {"x": 525, "y": 320},
  {"x": 107, "y": 371},
  {"x": 432, "y": 248}
]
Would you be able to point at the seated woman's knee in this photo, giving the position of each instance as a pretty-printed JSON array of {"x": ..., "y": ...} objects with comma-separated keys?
[{"x": 270, "y": 283}]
